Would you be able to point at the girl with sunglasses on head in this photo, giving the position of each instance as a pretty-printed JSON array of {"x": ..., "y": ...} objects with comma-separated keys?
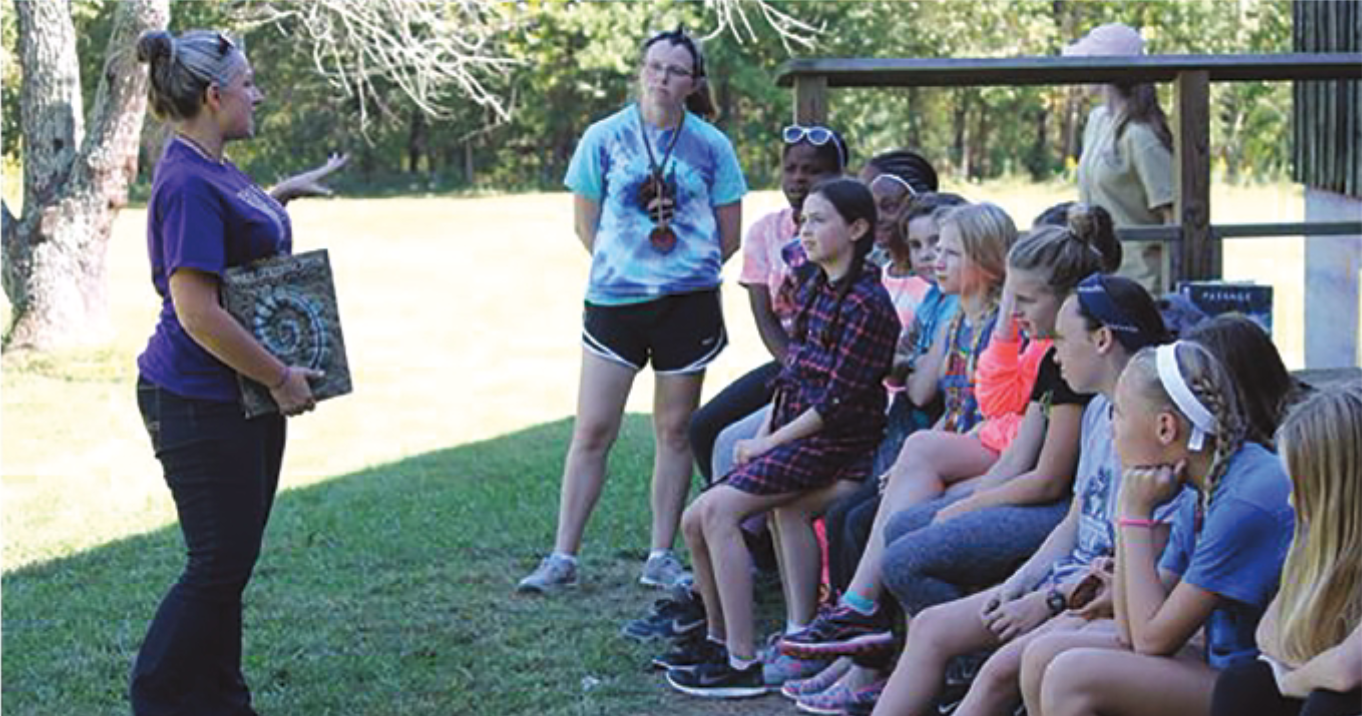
[
  {"x": 657, "y": 196},
  {"x": 1311, "y": 634},
  {"x": 1177, "y": 421},
  {"x": 205, "y": 216},
  {"x": 825, "y": 420}
]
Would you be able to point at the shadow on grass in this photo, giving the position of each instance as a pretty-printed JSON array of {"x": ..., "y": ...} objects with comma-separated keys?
[{"x": 387, "y": 591}]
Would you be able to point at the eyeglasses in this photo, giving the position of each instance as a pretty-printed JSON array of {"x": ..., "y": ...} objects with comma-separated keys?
[
  {"x": 815, "y": 135},
  {"x": 897, "y": 180},
  {"x": 670, "y": 71},
  {"x": 679, "y": 36}
]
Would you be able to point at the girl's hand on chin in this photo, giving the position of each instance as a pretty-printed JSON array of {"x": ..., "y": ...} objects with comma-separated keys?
[{"x": 1143, "y": 488}]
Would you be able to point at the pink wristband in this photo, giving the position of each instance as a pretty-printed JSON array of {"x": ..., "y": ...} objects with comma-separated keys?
[
  {"x": 1136, "y": 522},
  {"x": 283, "y": 378}
]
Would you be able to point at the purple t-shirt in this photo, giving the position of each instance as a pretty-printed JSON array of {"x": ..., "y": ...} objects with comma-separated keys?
[{"x": 204, "y": 216}]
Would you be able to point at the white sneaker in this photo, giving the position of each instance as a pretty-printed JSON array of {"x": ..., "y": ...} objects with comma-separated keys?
[
  {"x": 663, "y": 570},
  {"x": 554, "y": 573}
]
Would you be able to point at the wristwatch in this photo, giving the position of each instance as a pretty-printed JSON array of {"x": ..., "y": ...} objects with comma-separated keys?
[{"x": 1056, "y": 602}]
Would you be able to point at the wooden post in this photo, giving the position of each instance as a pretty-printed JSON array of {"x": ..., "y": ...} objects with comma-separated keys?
[
  {"x": 811, "y": 99},
  {"x": 1198, "y": 254}
]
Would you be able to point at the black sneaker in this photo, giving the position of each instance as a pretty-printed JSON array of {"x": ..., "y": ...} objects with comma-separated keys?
[
  {"x": 671, "y": 618},
  {"x": 842, "y": 632},
  {"x": 720, "y": 681},
  {"x": 692, "y": 652}
]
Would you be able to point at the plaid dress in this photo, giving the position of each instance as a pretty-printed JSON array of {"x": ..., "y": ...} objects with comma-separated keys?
[{"x": 840, "y": 376}]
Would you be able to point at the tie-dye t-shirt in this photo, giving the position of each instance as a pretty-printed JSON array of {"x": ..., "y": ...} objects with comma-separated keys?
[{"x": 609, "y": 166}]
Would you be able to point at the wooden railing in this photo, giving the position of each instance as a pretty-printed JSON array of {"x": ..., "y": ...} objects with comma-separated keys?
[{"x": 1197, "y": 255}]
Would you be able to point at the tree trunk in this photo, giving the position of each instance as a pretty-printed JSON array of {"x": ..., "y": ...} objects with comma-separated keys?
[{"x": 74, "y": 183}]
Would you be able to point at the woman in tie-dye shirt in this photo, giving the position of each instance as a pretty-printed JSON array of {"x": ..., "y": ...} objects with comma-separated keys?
[{"x": 657, "y": 202}]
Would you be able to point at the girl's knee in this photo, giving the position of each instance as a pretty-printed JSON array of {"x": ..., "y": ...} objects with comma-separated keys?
[
  {"x": 1035, "y": 658},
  {"x": 595, "y": 436},
  {"x": 1070, "y": 682},
  {"x": 1001, "y": 672},
  {"x": 692, "y": 521}
]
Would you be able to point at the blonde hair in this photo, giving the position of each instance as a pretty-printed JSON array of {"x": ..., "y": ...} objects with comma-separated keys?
[
  {"x": 1320, "y": 600},
  {"x": 986, "y": 235},
  {"x": 1211, "y": 384}
]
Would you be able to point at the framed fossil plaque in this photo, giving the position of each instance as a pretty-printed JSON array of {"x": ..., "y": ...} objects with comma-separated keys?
[{"x": 289, "y": 304}]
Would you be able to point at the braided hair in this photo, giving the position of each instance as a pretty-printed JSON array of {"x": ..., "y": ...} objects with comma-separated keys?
[
  {"x": 1266, "y": 388},
  {"x": 853, "y": 201},
  {"x": 1210, "y": 383},
  {"x": 908, "y": 166}
]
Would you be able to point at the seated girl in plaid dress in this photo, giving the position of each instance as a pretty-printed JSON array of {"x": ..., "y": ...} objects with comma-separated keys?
[{"x": 827, "y": 418}]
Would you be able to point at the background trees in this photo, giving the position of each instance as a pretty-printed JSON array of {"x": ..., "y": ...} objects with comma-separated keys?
[
  {"x": 564, "y": 64},
  {"x": 475, "y": 94}
]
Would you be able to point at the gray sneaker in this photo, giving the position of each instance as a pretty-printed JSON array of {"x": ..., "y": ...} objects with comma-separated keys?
[
  {"x": 553, "y": 573},
  {"x": 663, "y": 570}
]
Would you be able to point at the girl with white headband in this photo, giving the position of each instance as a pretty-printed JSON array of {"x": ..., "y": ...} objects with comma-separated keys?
[{"x": 1177, "y": 420}]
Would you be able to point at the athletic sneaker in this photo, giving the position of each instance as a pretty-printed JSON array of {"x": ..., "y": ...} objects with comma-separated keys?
[
  {"x": 719, "y": 681},
  {"x": 670, "y": 618},
  {"x": 555, "y": 572},
  {"x": 817, "y": 683},
  {"x": 841, "y": 632},
  {"x": 778, "y": 668},
  {"x": 663, "y": 570},
  {"x": 691, "y": 652},
  {"x": 840, "y": 699}
]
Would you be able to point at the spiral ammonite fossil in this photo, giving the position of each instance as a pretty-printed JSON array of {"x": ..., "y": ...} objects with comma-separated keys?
[{"x": 290, "y": 326}]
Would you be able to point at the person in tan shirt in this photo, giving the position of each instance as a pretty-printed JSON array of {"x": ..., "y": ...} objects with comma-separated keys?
[{"x": 1126, "y": 166}]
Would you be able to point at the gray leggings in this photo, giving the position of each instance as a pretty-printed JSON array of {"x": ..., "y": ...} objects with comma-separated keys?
[{"x": 926, "y": 564}]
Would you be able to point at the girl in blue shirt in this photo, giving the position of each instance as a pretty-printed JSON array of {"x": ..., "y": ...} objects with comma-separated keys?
[{"x": 1177, "y": 420}]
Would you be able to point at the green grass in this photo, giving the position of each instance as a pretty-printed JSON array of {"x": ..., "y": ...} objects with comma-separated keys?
[
  {"x": 385, "y": 591},
  {"x": 409, "y": 508}
]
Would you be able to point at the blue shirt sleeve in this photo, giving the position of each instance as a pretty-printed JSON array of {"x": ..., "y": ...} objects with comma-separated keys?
[
  {"x": 729, "y": 184},
  {"x": 586, "y": 171},
  {"x": 1240, "y": 553},
  {"x": 194, "y": 228}
]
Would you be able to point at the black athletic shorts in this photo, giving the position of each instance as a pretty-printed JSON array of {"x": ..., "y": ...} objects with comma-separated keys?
[{"x": 682, "y": 333}]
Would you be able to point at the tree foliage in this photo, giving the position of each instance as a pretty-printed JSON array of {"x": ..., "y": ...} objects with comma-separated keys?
[{"x": 542, "y": 71}]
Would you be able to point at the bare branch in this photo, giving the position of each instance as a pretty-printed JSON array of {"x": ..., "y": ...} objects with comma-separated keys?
[
  {"x": 732, "y": 17},
  {"x": 434, "y": 52}
]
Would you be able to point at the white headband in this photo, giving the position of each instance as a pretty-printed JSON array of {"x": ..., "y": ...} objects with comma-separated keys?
[{"x": 1171, "y": 376}]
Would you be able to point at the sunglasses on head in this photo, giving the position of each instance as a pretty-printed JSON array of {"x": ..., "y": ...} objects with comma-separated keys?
[{"x": 815, "y": 135}]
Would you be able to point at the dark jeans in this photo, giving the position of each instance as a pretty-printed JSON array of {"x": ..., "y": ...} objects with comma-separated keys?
[
  {"x": 223, "y": 471},
  {"x": 849, "y": 519},
  {"x": 1249, "y": 688},
  {"x": 741, "y": 398}
]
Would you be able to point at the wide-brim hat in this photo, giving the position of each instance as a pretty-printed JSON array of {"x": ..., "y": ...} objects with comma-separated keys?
[{"x": 1112, "y": 39}]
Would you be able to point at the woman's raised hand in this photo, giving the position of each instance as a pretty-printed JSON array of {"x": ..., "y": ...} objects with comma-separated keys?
[{"x": 309, "y": 183}]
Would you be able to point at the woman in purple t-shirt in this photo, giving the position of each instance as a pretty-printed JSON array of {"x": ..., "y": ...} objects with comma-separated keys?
[{"x": 205, "y": 216}]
